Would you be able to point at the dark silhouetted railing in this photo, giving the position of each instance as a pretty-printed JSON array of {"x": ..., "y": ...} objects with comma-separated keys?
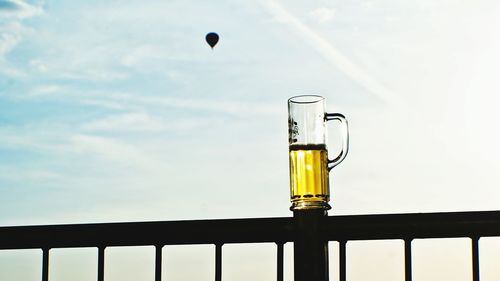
[{"x": 310, "y": 235}]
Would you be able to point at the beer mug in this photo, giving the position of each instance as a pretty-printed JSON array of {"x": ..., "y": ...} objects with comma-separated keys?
[{"x": 308, "y": 153}]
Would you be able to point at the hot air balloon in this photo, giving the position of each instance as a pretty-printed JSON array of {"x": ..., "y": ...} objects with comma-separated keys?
[{"x": 212, "y": 38}]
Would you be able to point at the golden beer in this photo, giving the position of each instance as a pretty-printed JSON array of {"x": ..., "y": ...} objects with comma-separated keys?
[{"x": 309, "y": 174}]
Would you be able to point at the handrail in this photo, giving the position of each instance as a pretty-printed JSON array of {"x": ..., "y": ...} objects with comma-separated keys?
[
  {"x": 412, "y": 226},
  {"x": 147, "y": 233},
  {"x": 334, "y": 228},
  {"x": 310, "y": 233}
]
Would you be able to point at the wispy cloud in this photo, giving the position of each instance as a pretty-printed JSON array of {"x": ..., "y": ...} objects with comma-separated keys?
[
  {"x": 332, "y": 54},
  {"x": 131, "y": 101},
  {"x": 68, "y": 144},
  {"x": 132, "y": 121},
  {"x": 8, "y": 5},
  {"x": 237, "y": 108},
  {"x": 12, "y": 31},
  {"x": 18, "y": 9},
  {"x": 7, "y": 42},
  {"x": 32, "y": 175},
  {"x": 48, "y": 89},
  {"x": 107, "y": 147},
  {"x": 323, "y": 14}
]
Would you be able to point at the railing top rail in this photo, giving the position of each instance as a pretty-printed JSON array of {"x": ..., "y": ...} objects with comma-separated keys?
[
  {"x": 147, "y": 233},
  {"x": 334, "y": 228},
  {"x": 413, "y": 225}
]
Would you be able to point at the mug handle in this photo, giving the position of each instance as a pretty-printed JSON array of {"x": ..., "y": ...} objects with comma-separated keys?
[{"x": 345, "y": 138}]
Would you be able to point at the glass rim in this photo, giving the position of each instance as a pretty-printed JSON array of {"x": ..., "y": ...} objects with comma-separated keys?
[{"x": 305, "y": 99}]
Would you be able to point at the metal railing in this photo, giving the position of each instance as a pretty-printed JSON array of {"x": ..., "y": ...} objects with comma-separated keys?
[{"x": 310, "y": 232}]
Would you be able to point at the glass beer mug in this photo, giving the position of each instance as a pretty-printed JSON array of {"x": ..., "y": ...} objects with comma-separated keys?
[{"x": 309, "y": 162}]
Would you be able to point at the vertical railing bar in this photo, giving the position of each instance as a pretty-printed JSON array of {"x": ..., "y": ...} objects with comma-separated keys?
[
  {"x": 342, "y": 260},
  {"x": 475, "y": 258},
  {"x": 45, "y": 264},
  {"x": 100, "y": 263},
  {"x": 279, "y": 261},
  {"x": 218, "y": 262},
  {"x": 158, "y": 262},
  {"x": 408, "y": 262}
]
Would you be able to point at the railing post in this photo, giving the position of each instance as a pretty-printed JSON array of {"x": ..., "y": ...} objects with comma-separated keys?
[
  {"x": 100, "y": 263},
  {"x": 310, "y": 248},
  {"x": 158, "y": 262},
  {"x": 408, "y": 262},
  {"x": 218, "y": 262},
  {"x": 342, "y": 261},
  {"x": 45, "y": 264},
  {"x": 279, "y": 256},
  {"x": 475, "y": 258}
]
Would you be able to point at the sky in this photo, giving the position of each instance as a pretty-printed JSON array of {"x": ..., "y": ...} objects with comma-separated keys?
[{"x": 119, "y": 111}]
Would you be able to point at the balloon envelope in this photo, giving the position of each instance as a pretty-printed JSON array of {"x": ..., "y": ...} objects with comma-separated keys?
[{"x": 212, "y": 38}]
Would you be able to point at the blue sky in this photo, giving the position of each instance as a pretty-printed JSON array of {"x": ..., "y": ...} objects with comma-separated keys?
[{"x": 114, "y": 111}]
